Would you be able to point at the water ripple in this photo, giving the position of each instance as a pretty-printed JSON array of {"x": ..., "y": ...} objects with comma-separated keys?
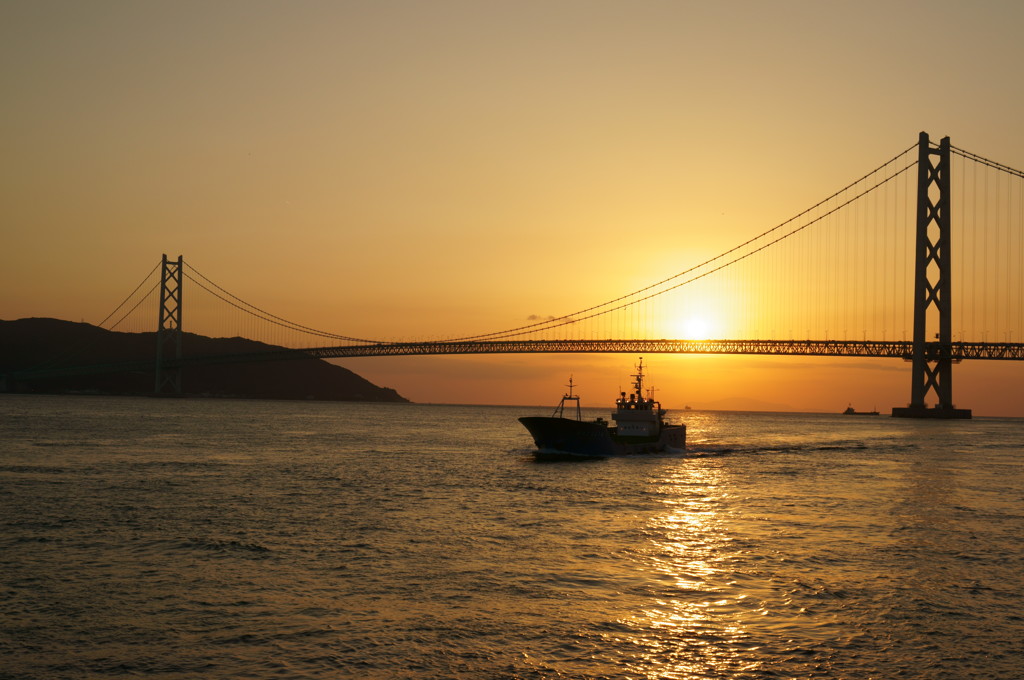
[{"x": 273, "y": 540}]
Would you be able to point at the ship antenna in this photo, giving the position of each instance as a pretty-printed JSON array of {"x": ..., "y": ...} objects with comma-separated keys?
[{"x": 638, "y": 384}]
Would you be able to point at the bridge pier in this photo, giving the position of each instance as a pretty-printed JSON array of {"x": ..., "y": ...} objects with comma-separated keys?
[
  {"x": 932, "y": 369},
  {"x": 937, "y": 412}
]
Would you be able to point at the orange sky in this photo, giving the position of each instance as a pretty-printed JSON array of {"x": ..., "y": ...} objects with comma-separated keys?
[{"x": 408, "y": 169}]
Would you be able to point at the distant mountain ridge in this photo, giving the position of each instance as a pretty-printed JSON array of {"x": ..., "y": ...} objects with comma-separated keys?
[{"x": 34, "y": 343}]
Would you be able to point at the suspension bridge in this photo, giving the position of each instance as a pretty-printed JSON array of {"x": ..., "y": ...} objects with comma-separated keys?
[{"x": 924, "y": 254}]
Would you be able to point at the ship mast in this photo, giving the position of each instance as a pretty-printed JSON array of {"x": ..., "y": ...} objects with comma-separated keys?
[
  {"x": 560, "y": 409},
  {"x": 638, "y": 382}
]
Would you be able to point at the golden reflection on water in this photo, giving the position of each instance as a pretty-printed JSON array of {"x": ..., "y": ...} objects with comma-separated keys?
[{"x": 693, "y": 626}]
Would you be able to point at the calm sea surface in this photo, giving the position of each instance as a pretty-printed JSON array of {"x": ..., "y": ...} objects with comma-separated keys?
[{"x": 251, "y": 539}]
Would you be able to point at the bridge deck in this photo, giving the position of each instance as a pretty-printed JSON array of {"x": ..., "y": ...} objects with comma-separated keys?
[
  {"x": 957, "y": 351},
  {"x": 842, "y": 348}
]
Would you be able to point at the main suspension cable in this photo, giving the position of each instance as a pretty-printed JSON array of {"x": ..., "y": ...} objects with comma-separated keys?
[
  {"x": 575, "y": 317},
  {"x": 985, "y": 161},
  {"x": 573, "y": 320},
  {"x": 134, "y": 307},
  {"x": 240, "y": 304},
  {"x": 125, "y": 301}
]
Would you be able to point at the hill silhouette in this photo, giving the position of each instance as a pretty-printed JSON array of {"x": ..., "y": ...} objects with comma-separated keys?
[{"x": 28, "y": 344}]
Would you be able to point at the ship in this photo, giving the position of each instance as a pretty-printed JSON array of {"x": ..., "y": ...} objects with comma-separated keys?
[
  {"x": 640, "y": 428},
  {"x": 850, "y": 411}
]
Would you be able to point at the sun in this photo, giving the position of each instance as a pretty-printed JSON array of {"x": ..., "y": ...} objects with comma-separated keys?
[{"x": 695, "y": 327}]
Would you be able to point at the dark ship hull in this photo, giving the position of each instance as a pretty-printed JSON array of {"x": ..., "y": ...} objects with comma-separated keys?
[
  {"x": 565, "y": 438},
  {"x": 640, "y": 427}
]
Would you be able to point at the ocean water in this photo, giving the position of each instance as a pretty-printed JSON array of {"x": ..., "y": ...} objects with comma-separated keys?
[{"x": 146, "y": 538}]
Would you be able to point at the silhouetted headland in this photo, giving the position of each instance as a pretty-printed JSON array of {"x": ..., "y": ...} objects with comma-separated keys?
[{"x": 27, "y": 344}]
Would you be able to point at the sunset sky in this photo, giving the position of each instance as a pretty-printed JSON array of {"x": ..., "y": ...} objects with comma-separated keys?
[{"x": 425, "y": 169}]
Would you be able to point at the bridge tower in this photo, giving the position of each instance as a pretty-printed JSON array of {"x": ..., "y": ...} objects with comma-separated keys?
[
  {"x": 168, "y": 332},
  {"x": 932, "y": 365}
]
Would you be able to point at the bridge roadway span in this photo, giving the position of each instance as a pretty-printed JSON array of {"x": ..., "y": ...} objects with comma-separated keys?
[
  {"x": 842, "y": 348},
  {"x": 958, "y": 351}
]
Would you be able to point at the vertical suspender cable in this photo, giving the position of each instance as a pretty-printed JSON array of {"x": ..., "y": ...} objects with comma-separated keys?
[
  {"x": 1007, "y": 241},
  {"x": 961, "y": 231},
  {"x": 974, "y": 252}
]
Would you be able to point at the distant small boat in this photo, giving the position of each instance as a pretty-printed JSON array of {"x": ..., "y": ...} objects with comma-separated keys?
[
  {"x": 851, "y": 412},
  {"x": 640, "y": 428}
]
